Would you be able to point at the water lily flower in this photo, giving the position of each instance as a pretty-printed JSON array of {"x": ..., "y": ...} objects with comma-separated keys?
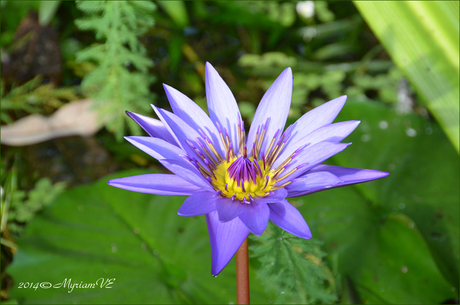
[{"x": 241, "y": 181}]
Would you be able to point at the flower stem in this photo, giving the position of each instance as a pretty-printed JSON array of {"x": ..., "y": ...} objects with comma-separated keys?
[{"x": 242, "y": 274}]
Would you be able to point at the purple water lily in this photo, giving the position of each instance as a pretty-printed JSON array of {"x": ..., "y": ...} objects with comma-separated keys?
[{"x": 240, "y": 181}]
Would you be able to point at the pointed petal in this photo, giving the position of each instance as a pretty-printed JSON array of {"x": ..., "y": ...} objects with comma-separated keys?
[
  {"x": 288, "y": 218},
  {"x": 310, "y": 157},
  {"x": 331, "y": 133},
  {"x": 255, "y": 216},
  {"x": 155, "y": 128},
  {"x": 171, "y": 157},
  {"x": 339, "y": 175},
  {"x": 222, "y": 105},
  {"x": 319, "y": 116},
  {"x": 199, "y": 203},
  {"x": 228, "y": 209},
  {"x": 160, "y": 184},
  {"x": 183, "y": 133},
  {"x": 275, "y": 105},
  {"x": 225, "y": 238},
  {"x": 316, "y": 118},
  {"x": 180, "y": 130},
  {"x": 193, "y": 115},
  {"x": 187, "y": 172},
  {"x": 155, "y": 147},
  {"x": 312, "y": 182},
  {"x": 349, "y": 175}
]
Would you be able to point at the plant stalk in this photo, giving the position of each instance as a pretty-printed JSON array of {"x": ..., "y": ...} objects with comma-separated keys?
[{"x": 242, "y": 274}]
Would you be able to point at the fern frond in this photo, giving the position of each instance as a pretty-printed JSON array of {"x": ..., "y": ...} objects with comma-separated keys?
[
  {"x": 293, "y": 268},
  {"x": 118, "y": 24}
]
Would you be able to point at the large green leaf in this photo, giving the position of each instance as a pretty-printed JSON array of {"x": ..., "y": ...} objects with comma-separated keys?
[
  {"x": 97, "y": 231},
  {"x": 397, "y": 238},
  {"x": 422, "y": 37}
]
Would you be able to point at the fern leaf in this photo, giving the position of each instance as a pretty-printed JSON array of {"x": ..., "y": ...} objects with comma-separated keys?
[
  {"x": 118, "y": 25},
  {"x": 293, "y": 268}
]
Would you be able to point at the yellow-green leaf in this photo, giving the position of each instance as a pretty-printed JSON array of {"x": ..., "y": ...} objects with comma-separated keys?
[{"x": 422, "y": 37}]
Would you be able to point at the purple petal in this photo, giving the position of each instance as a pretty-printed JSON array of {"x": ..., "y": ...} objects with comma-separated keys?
[
  {"x": 170, "y": 156},
  {"x": 155, "y": 128},
  {"x": 275, "y": 105},
  {"x": 225, "y": 238},
  {"x": 312, "y": 182},
  {"x": 316, "y": 118},
  {"x": 188, "y": 173},
  {"x": 160, "y": 184},
  {"x": 155, "y": 147},
  {"x": 349, "y": 175},
  {"x": 255, "y": 216},
  {"x": 275, "y": 196},
  {"x": 331, "y": 133},
  {"x": 180, "y": 130},
  {"x": 222, "y": 105},
  {"x": 199, "y": 203},
  {"x": 319, "y": 116},
  {"x": 193, "y": 115},
  {"x": 288, "y": 218},
  {"x": 228, "y": 209},
  {"x": 310, "y": 157}
]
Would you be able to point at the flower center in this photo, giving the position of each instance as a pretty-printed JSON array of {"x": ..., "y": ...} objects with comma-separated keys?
[
  {"x": 243, "y": 179},
  {"x": 237, "y": 174}
]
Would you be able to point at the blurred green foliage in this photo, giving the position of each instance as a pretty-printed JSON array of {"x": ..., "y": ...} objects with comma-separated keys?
[
  {"x": 19, "y": 206},
  {"x": 24, "y": 205},
  {"x": 391, "y": 241},
  {"x": 11, "y": 14},
  {"x": 32, "y": 97}
]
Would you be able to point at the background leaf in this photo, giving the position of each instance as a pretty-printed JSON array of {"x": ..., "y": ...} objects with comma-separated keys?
[
  {"x": 47, "y": 11},
  {"x": 177, "y": 11},
  {"x": 422, "y": 38},
  {"x": 397, "y": 239}
]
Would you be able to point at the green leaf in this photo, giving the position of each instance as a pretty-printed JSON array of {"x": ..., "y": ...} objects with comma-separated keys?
[
  {"x": 47, "y": 11},
  {"x": 397, "y": 239},
  {"x": 422, "y": 37},
  {"x": 97, "y": 231},
  {"x": 177, "y": 11}
]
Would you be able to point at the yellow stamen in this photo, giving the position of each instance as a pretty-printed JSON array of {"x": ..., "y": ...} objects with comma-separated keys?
[
  {"x": 282, "y": 185},
  {"x": 290, "y": 172},
  {"x": 214, "y": 151},
  {"x": 274, "y": 156},
  {"x": 229, "y": 187},
  {"x": 204, "y": 172},
  {"x": 213, "y": 162}
]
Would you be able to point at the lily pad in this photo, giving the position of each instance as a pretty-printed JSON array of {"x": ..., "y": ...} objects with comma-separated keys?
[
  {"x": 397, "y": 238},
  {"x": 98, "y": 232}
]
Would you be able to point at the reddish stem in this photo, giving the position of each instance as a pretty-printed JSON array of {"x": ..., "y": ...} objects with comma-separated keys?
[{"x": 242, "y": 274}]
